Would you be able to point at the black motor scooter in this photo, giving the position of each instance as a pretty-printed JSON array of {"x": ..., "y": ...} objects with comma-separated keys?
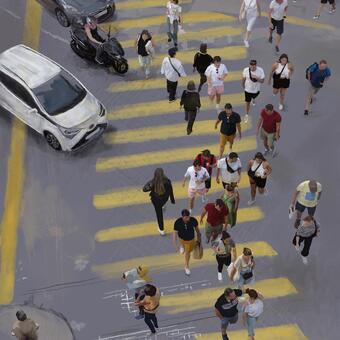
[{"x": 113, "y": 52}]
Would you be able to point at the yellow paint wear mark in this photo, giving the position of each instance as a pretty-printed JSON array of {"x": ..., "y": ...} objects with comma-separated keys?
[
  {"x": 166, "y": 156},
  {"x": 140, "y": 4},
  {"x": 16, "y": 174},
  {"x": 150, "y": 84},
  {"x": 149, "y": 229},
  {"x": 191, "y": 17},
  {"x": 175, "y": 261},
  {"x": 282, "y": 332},
  {"x": 164, "y": 132},
  {"x": 204, "y": 34},
  {"x": 206, "y": 298},
  {"x": 161, "y": 107},
  {"x": 134, "y": 196},
  {"x": 187, "y": 57}
]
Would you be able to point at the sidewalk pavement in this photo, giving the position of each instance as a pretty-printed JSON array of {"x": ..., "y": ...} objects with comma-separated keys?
[{"x": 53, "y": 326}]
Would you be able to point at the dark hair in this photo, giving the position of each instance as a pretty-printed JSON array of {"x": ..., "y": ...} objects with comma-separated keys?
[
  {"x": 269, "y": 107},
  {"x": 191, "y": 85},
  {"x": 158, "y": 181},
  {"x": 206, "y": 153},
  {"x": 146, "y": 32},
  {"x": 230, "y": 188},
  {"x": 228, "y": 106},
  {"x": 150, "y": 290},
  {"x": 233, "y": 155},
  {"x": 196, "y": 162},
  {"x": 228, "y": 291},
  {"x": 323, "y": 61},
  {"x": 217, "y": 58},
  {"x": 185, "y": 212},
  {"x": 252, "y": 62},
  {"x": 225, "y": 235},
  {"x": 203, "y": 48},
  {"x": 176, "y": 2},
  {"x": 259, "y": 155},
  {"x": 172, "y": 51},
  {"x": 282, "y": 56},
  {"x": 247, "y": 252},
  {"x": 220, "y": 203},
  {"x": 21, "y": 315},
  {"x": 308, "y": 218},
  {"x": 252, "y": 293}
]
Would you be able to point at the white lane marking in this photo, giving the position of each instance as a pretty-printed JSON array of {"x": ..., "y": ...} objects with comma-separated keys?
[
  {"x": 54, "y": 36},
  {"x": 10, "y": 13}
]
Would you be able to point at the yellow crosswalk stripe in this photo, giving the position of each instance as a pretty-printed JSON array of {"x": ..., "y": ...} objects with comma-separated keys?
[
  {"x": 281, "y": 332},
  {"x": 164, "y": 132},
  {"x": 175, "y": 261},
  {"x": 156, "y": 83},
  {"x": 167, "y": 156},
  {"x": 206, "y": 298},
  {"x": 160, "y": 107},
  {"x": 149, "y": 228},
  {"x": 134, "y": 196},
  {"x": 201, "y": 35},
  {"x": 191, "y": 17},
  {"x": 141, "y": 4},
  {"x": 187, "y": 57}
]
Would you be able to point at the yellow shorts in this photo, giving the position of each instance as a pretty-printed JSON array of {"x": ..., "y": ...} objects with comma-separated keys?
[
  {"x": 224, "y": 139},
  {"x": 188, "y": 245}
]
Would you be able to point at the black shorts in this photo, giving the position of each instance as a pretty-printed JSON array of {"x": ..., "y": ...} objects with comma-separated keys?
[
  {"x": 301, "y": 208},
  {"x": 260, "y": 182},
  {"x": 278, "y": 25},
  {"x": 208, "y": 183},
  {"x": 281, "y": 83},
  {"x": 249, "y": 96},
  {"x": 331, "y": 2}
]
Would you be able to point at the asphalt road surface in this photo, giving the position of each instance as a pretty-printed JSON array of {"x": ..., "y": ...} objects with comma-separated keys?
[{"x": 67, "y": 256}]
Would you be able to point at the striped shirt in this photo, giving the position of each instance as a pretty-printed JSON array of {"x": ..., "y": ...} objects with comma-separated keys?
[{"x": 307, "y": 230}]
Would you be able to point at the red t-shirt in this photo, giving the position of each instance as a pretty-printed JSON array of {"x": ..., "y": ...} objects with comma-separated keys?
[
  {"x": 212, "y": 161},
  {"x": 269, "y": 121},
  {"x": 215, "y": 217}
]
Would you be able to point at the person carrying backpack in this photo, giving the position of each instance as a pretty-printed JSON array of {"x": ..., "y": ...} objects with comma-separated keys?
[{"x": 317, "y": 75}]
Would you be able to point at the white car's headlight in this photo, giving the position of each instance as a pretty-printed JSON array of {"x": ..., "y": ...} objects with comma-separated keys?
[
  {"x": 102, "y": 111},
  {"x": 69, "y": 133}
]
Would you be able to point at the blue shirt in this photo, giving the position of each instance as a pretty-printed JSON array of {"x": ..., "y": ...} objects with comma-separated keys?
[{"x": 317, "y": 77}]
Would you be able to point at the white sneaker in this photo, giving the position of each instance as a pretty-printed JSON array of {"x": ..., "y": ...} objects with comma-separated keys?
[
  {"x": 164, "y": 207},
  {"x": 162, "y": 232},
  {"x": 217, "y": 106},
  {"x": 280, "y": 107},
  {"x": 204, "y": 198},
  {"x": 304, "y": 260},
  {"x": 251, "y": 202},
  {"x": 181, "y": 250},
  {"x": 253, "y": 102},
  {"x": 246, "y": 43},
  {"x": 187, "y": 271},
  {"x": 190, "y": 210},
  {"x": 219, "y": 276},
  {"x": 246, "y": 118},
  {"x": 265, "y": 152}
]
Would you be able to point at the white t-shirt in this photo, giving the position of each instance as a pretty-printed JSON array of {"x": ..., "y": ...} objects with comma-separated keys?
[
  {"x": 173, "y": 11},
  {"x": 285, "y": 71},
  {"x": 226, "y": 176},
  {"x": 215, "y": 73},
  {"x": 250, "y": 86},
  {"x": 254, "y": 309},
  {"x": 202, "y": 175},
  {"x": 278, "y": 10},
  {"x": 250, "y": 5}
]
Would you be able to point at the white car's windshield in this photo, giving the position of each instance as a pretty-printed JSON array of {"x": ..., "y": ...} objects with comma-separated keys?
[{"x": 59, "y": 94}]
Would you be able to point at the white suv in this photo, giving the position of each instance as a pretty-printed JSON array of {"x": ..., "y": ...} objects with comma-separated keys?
[{"x": 49, "y": 99}]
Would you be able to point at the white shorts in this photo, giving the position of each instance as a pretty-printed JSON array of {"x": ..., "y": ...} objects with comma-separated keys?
[{"x": 251, "y": 17}]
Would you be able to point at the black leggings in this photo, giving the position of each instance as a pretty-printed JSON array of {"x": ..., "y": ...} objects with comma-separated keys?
[
  {"x": 222, "y": 261},
  {"x": 203, "y": 79},
  {"x": 190, "y": 117},
  {"x": 307, "y": 242},
  {"x": 151, "y": 320},
  {"x": 158, "y": 205}
]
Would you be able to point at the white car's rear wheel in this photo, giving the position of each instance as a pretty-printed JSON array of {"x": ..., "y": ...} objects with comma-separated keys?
[{"x": 52, "y": 141}]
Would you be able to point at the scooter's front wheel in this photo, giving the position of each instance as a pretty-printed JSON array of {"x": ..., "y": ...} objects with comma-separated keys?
[{"x": 121, "y": 66}]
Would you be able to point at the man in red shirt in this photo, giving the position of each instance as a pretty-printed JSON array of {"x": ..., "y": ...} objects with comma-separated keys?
[
  {"x": 270, "y": 123},
  {"x": 209, "y": 162},
  {"x": 217, "y": 219}
]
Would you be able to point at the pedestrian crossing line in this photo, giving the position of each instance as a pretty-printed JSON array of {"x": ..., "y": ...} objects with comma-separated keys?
[
  {"x": 206, "y": 297},
  {"x": 186, "y": 57},
  {"x": 167, "y": 156},
  {"x": 164, "y": 132},
  {"x": 175, "y": 261},
  {"x": 202, "y": 35},
  {"x": 141, "y": 4},
  {"x": 281, "y": 332},
  {"x": 161, "y": 107},
  {"x": 156, "y": 83},
  {"x": 190, "y": 18},
  {"x": 149, "y": 228}
]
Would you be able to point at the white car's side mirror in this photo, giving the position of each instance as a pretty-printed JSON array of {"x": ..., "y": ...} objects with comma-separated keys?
[{"x": 33, "y": 111}]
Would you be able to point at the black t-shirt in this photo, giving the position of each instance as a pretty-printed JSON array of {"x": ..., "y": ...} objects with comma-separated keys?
[
  {"x": 228, "y": 126},
  {"x": 141, "y": 46},
  {"x": 186, "y": 231},
  {"x": 228, "y": 309}
]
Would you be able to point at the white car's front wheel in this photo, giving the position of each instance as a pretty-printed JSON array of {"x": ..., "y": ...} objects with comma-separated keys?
[{"x": 52, "y": 141}]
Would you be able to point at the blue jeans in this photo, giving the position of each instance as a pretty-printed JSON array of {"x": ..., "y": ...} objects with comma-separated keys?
[
  {"x": 251, "y": 321},
  {"x": 173, "y": 30}
]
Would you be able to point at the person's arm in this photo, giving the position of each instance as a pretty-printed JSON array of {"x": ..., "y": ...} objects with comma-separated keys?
[
  {"x": 171, "y": 191},
  {"x": 297, "y": 239},
  {"x": 278, "y": 130},
  {"x": 291, "y": 69},
  {"x": 270, "y": 17},
  {"x": 181, "y": 103},
  {"x": 295, "y": 195},
  {"x": 241, "y": 10},
  {"x": 319, "y": 195},
  {"x": 259, "y": 125},
  {"x": 37, "y": 326},
  {"x": 198, "y": 101},
  {"x": 244, "y": 318},
  {"x": 224, "y": 75},
  {"x": 218, "y": 314},
  {"x": 204, "y": 212},
  {"x": 182, "y": 71},
  {"x": 272, "y": 70},
  {"x": 238, "y": 126},
  {"x": 184, "y": 180},
  {"x": 218, "y": 175},
  {"x": 258, "y": 8},
  {"x": 285, "y": 12},
  {"x": 268, "y": 169},
  {"x": 237, "y": 200},
  {"x": 225, "y": 218},
  {"x": 89, "y": 35},
  {"x": 233, "y": 254},
  {"x": 163, "y": 66},
  {"x": 136, "y": 43},
  {"x": 198, "y": 233},
  {"x": 243, "y": 82},
  {"x": 216, "y": 123},
  {"x": 174, "y": 240}
]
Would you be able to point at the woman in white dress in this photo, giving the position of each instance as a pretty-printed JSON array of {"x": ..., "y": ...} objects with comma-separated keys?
[
  {"x": 174, "y": 19},
  {"x": 250, "y": 10}
]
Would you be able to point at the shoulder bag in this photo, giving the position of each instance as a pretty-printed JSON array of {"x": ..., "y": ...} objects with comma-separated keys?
[
  {"x": 278, "y": 76},
  {"x": 251, "y": 173},
  {"x": 251, "y": 78},
  {"x": 175, "y": 69}
]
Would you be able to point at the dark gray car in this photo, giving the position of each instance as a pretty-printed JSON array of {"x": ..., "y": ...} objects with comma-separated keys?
[{"x": 67, "y": 10}]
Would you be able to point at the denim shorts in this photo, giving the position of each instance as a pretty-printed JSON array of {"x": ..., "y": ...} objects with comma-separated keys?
[
  {"x": 226, "y": 321},
  {"x": 251, "y": 321}
]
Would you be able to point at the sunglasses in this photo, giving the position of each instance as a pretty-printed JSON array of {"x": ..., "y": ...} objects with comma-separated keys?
[
  {"x": 196, "y": 174},
  {"x": 216, "y": 70}
]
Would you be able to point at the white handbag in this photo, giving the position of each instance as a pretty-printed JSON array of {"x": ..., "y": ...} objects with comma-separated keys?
[
  {"x": 150, "y": 49},
  {"x": 230, "y": 270}
]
